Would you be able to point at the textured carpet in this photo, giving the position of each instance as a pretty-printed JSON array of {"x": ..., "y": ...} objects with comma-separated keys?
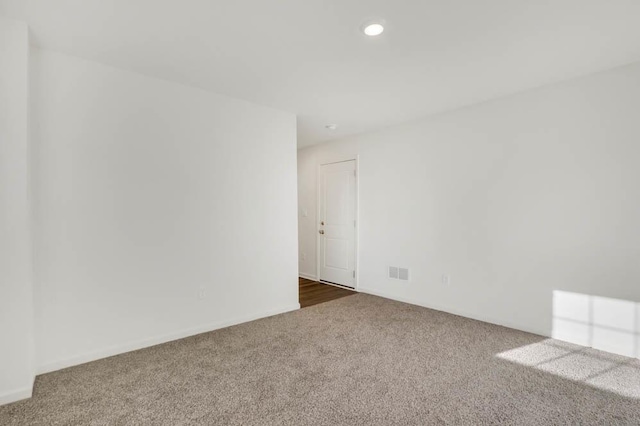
[{"x": 360, "y": 360}]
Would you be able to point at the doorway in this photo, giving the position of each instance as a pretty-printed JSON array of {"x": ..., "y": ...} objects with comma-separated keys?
[{"x": 337, "y": 204}]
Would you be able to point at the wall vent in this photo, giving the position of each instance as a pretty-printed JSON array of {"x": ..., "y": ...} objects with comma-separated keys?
[
  {"x": 403, "y": 274},
  {"x": 393, "y": 272},
  {"x": 396, "y": 273}
]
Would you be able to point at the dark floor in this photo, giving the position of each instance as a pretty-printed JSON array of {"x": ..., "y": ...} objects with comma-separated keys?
[{"x": 312, "y": 292}]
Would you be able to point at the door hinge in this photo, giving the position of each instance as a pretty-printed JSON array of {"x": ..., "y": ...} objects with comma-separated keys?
[{"x": 354, "y": 274}]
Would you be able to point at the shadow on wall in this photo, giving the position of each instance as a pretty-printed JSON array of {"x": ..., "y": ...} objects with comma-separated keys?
[{"x": 584, "y": 326}]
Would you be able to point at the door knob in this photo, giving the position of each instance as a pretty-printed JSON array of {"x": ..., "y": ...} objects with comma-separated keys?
[
  {"x": 322, "y": 223},
  {"x": 321, "y": 231}
]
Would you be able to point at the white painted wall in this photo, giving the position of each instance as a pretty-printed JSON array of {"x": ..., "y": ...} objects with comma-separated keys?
[
  {"x": 16, "y": 298},
  {"x": 160, "y": 210},
  {"x": 514, "y": 198}
]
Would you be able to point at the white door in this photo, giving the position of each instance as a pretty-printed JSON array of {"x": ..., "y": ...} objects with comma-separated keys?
[{"x": 337, "y": 223}]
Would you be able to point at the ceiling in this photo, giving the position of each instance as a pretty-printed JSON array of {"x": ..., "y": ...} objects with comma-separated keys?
[{"x": 309, "y": 56}]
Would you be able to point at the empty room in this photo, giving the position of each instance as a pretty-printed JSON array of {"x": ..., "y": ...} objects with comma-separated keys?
[{"x": 319, "y": 212}]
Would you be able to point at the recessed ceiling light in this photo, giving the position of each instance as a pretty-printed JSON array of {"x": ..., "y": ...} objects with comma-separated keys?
[
  {"x": 373, "y": 29},
  {"x": 331, "y": 126}
]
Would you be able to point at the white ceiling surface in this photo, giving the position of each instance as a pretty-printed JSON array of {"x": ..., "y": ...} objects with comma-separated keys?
[{"x": 309, "y": 56}]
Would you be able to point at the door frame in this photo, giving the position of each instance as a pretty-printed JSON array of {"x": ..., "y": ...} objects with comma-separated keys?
[{"x": 357, "y": 215}]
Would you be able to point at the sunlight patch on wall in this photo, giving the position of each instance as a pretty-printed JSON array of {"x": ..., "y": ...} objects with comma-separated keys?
[
  {"x": 611, "y": 325},
  {"x": 585, "y": 326}
]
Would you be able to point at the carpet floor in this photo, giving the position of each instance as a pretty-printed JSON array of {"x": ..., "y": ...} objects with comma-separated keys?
[{"x": 360, "y": 360}]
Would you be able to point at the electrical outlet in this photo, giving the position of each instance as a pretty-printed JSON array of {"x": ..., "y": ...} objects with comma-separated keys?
[
  {"x": 304, "y": 256},
  {"x": 202, "y": 292},
  {"x": 445, "y": 279}
]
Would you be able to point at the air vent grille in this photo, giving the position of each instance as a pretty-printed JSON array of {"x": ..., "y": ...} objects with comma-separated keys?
[
  {"x": 393, "y": 272},
  {"x": 403, "y": 274},
  {"x": 397, "y": 273}
]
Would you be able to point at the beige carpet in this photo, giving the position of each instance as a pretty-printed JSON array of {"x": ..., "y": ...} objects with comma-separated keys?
[{"x": 360, "y": 360}]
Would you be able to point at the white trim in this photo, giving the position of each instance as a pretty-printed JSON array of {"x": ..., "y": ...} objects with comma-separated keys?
[
  {"x": 357, "y": 244},
  {"x": 144, "y": 343},
  {"x": 316, "y": 233},
  {"x": 17, "y": 395},
  {"x": 457, "y": 312},
  {"x": 307, "y": 276}
]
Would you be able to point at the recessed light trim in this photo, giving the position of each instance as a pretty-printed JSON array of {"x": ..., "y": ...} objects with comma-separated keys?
[
  {"x": 331, "y": 126},
  {"x": 373, "y": 29}
]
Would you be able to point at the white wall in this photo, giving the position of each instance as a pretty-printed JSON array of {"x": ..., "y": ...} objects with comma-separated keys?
[
  {"x": 160, "y": 210},
  {"x": 16, "y": 298},
  {"x": 514, "y": 198}
]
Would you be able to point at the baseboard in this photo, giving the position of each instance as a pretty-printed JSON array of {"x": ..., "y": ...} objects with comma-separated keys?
[
  {"x": 307, "y": 276},
  {"x": 17, "y": 395},
  {"x": 458, "y": 312},
  {"x": 145, "y": 343}
]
